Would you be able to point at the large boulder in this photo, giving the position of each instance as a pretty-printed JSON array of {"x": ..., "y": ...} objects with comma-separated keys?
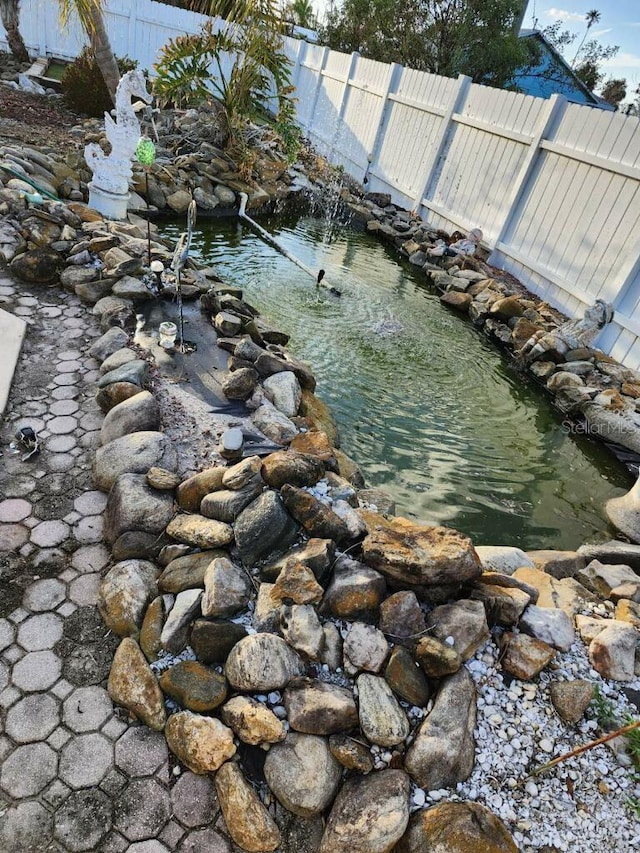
[
  {"x": 203, "y": 744},
  {"x": 318, "y": 708},
  {"x": 132, "y": 505},
  {"x": 261, "y": 662},
  {"x": 139, "y": 413},
  {"x": 249, "y": 823},
  {"x": 370, "y": 814},
  {"x": 456, "y": 828},
  {"x": 316, "y": 517},
  {"x": 199, "y": 531},
  {"x": 37, "y": 266},
  {"x": 443, "y": 752},
  {"x": 303, "y": 774},
  {"x": 382, "y": 720},
  {"x": 264, "y": 527},
  {"x": 132, "y": 454},
  {"x": 133, "y": 685},
  {"x": 417, "y": 557},
  {"x": 124, "y": 594}
]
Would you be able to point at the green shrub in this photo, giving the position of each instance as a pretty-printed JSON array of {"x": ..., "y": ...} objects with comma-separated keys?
[{"x": 83, "y": 86}]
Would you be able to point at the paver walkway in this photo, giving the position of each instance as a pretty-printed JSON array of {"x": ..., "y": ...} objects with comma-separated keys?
[{"x": 75, "y": 774}]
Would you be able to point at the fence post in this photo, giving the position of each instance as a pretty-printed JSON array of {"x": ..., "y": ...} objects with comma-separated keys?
[
  {"x": 355, "y": 56},
  {"x": 300, "y": 58},
  {"x": 440, "y": 143},
  {"x": 392, "y": 86},
  {"x": 316, "y": 94},
  {"x": 555, "y": 106}
]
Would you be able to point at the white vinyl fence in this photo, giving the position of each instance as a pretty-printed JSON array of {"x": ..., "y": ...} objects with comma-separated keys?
[{"x": 554, "y": 186}]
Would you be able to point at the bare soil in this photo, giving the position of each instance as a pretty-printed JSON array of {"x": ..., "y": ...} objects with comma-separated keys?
[{"x": 36, "y": 120}]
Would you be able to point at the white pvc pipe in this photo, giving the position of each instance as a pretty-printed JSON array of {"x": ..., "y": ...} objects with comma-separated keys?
[{"x": 244, "y": 198}]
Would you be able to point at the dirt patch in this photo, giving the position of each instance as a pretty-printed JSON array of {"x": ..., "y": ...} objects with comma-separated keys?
[{"x": 21, "y": 112}]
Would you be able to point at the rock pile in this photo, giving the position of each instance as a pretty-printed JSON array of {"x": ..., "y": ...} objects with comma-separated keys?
[{"x": 269, "y": 605}]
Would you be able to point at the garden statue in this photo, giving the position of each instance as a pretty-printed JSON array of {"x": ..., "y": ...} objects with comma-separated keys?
[
  {"x": 571, "y": 335},
  {"x": 109, "y": 189}
]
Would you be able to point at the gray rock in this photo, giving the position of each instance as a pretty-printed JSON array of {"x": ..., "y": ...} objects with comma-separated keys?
[
  {"x": 240, "y": 384},
  {"x": 226, "y": 505},
  {"x": 274, "y": 424},
  {"x": 132, "y": 288},
  {"x": 302, "y": 630},
  {"x": 283, "y": 389},
  {"x": 186, "y": 607},
  {"x": 365, "y": 648},
  {"x": 244, "y": 475},
  {"x": 613, "y": 552},
  {"x": 601, "y": 578},
  {"x": 315, "y": 554},
  {"x": 320, "y": 708},
  {"x": 231, "y": 443},
  {"x": 505, "y": 559},
  {"x": 204, "y": 200},
  {"x": 465, "y": 621},
  {"x": 405, "y": 679},
  {"x": 382, "y": 720},
  {"x": 134, "y": 371},
  {"x": 124, "y": 594},
  {"x": 117, "y": 359},
  {"x": 213, "y": 640},
  {"x": 134, "y": 454},
  {"x": 187, "y": 571},
  {"x": 549, "y": 624},
  {"x": 226, "y": 588},
  {"x": 303, "y": 774},
  {"x": 443, "y": 752},
  {"x": 355, "y": 591},
  {"x": 264, "y": 527},
  {"x": 139, "y": 413},
  {"x": 370, "y": 814},
  {"x": 503, "y": 605},
  {"x": 332, "y": 648},
  {"x": 225, "y": 196},
  {"x": 261, "y": 662},
  {"x": 132, "y": 505},
  {"x": 112, "y": 340},
  {"x": 612, "y": 653},
  {"x": 401, "y": 618}
]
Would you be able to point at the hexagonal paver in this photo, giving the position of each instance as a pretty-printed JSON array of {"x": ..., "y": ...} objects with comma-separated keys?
[
  {"x": 151, "y": 846},
  {"x": 194, "y": 800},
  {"x": 205, "y": 841},
  {"x": 85, "y": 760},
  {"x": 64, "y": 407},
  {"x": 64, "y": 423},
  {"x": 40, "y": 632},
  {"x": 33, "y": 718},
  {"x": 60, "y": 462},
  {"x": 83, "y": 820},
  {"x": 142, "y": 810},
  {"x": 89, "y": 529},
  {"x": 141, "y": 751},
  {"x": 84, "y": 590},
  {"x": 28, "y": 770},
  {"x": 12, "y": 536},
  {"x": 45, "y": 594},
  {"x": 14, "y": 509},
  {"x": 26, "y": 827},
  {"x": 89, "y": 558},
  {"x": 7, "y": 634},
  {"x": 89, "y": 503},
  {"x": 61, "y": 443},
  {"x": 37, "y": 671},
  {"x": 49, "y": 533},
  {"x": 86, "y": 709}
]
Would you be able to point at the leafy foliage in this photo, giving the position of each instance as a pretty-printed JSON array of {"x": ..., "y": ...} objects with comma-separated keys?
[
  {"x": 83, "y": 85},
  {"x": 240, "y": 62},
  {"x": 447, "y": 37},
  {"x": 590, "y": 54}
]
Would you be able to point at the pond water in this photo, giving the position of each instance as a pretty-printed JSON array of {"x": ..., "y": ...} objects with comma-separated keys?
[{"x": 427, "y": 406}]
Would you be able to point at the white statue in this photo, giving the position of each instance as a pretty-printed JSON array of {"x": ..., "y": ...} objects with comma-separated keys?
[
  {"x": 112, "y": 172},
  {"x": 571, "y": 335}
]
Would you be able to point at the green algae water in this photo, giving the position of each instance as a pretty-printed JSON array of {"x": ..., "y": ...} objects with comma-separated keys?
[{"x": 427, "y": 406}]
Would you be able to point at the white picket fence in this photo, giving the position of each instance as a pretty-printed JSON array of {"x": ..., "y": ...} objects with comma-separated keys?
[{"x": 554, "y": 186}]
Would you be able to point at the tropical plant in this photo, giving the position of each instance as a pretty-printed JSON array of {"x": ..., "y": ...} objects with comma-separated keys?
[
  {"x": 90, "y": 14},
  {"x": 302, "y": 11},
  {"x": 252, "y": 73},
  {"x": 10, "y": 16}
]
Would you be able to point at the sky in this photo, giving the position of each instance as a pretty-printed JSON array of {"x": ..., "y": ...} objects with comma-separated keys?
[{"x": 619, "y": 24}]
